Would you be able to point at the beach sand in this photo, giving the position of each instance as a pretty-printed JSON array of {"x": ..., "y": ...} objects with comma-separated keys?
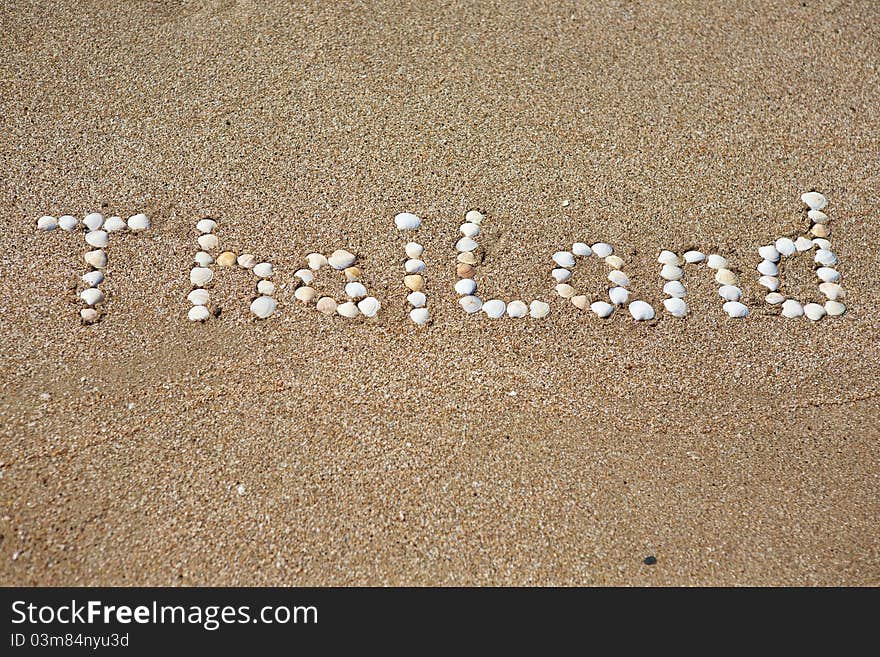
[{"x": 734, "y": 451}]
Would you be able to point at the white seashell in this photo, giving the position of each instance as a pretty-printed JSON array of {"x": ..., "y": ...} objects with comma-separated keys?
[
  {"x": 564, "y": 258},
  {"x": 581, "y": 249},
  {"x": 770, "y": 282},
  {"x": 417, "y": 299},
  {"x": 414, "y": 250},
  {"x": 565, "y": 290},
  {"x": 641, "y": 311},
  {"x": 89, "y": 315},
  {"x": 735, "y": 309},
  {"x": 97, "y": 238},
  {"x": 263, "y": 270},
  {"x": 67, "y": 222},
  {"x": 469, "y": 229},
  {"x": 539, "y": 309},
  {"x": 668, "y": 258},
  {"x": 618, "y": 278},
  {"x": 716, "y": 261},
  {"x": 815, "y": 200},
  {"x": 474, "y": 217},
  {"x": 467, "y": 257},
  {"x": 200, "y": 276},
  {"x": 580, "y": 301},
  {"x": 91, "y": 296},
  {"x": 138, "y": 222},
  {"x": 832, "y": 291},
  {"x": 305, "y": 294},
  {"x": 199, "y": 297},
  {"x": 675, "y": 289},
  {"x": 348, "y": 309},
  {"x": 774, "y": 298},
  {"x": 601, "y": 308},
  {"x": 494, "y": 308},
  {"x": 407, "y": 221},
  {"x": 822, "y": 243},
  {"x": 470, "y": 304},
  {"x": 768, "y": 268},
  {"x": 316, "y": 261},
  {"x": 263, "y": 307},
  {"x": 203, "y": 259},
  {"x": 602, "y": 249},
  {"x": 115, "y": 225},
  {"x": 205, "y": 225},
  {"x": 675, "y": 307},
  {"x": 726, "y": 277},
  {"x": 304, "y": 275},
  {"x": 326, "y": 306},
  {"x": 785, "y": 246},
  {"x": 341, "y": 259},
  {"x": 414, "y": 266},
  {"x": 618, "y": 295},
  {"x": 828, "y": 275},
  {"x": 208, "y": 242},
  {"x": 615, "y": 262},
  {"x": 93, "y": 220},
  {"x": 792, "y": 309},
  {"x": 96, "y": 277},
  {"x": 561, "y": 275},
  {"x": 769, "y": 252},
  {"x": 420, "y": 316},
  {"x": 246, "y": 261},
  {"x": 803, "y": 244},
  {"x": 825, "y": 258},
  {"x": 730, "y": 292},
  {"x": 198, "y": 313},
  {"x": 517, "y": 309},
  {"x": 266, "y": 287},
  {"x": 369, "y": 306},
  {"x": 355, "y": 290},
  {"x": 671, "y": 272},
  {"x": 817, "y": 217},
  {"x": 465, "y": 244},
  {"x": 96, "y": 258},
  {"x": 47, "y": 223},
  {"x": 814, "y": 311},
  {"x": 692, "y": 257},
  {"x": 834, "y": 308},
  {"x": 465, "y": 286}
]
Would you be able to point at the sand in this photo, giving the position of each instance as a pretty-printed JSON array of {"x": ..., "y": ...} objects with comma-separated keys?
[{"x": 737, "y": 452}]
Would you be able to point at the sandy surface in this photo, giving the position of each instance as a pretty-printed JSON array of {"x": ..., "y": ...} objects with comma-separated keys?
[{"x": 735, "y": 451}]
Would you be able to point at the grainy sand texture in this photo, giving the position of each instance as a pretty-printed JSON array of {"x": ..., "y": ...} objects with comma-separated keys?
[{"x": 304, "y": 450}]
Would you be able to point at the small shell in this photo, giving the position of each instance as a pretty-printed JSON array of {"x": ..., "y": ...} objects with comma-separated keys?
[
  {"x": 263, "y": 307},
  {"x": 205, "y": 225},
  {"x": 407, "y": 221},
  {"x": 671, "y": 272},
  {"x": 465, "y": 271},
  {"x": 199, "y": 297},
  {"x": 770, "y": 282},
  {"x": 95, "y": 277},
  {"x": 615, "y": 262},
  {"x": 581, "y": 249},
  {"x": 465, "y": 286},
  {"x": 561, "y": 275},
  {"x": 96, "y": 258},
  {"x": 832, "y": 291},
  {"x": 198, "y": 313},
  {"x": 820, "y": 230},
  {"x": 818, "y": 217},
  {"x": 93, "y": 220},
  {"x": 348, "y": 309},
  {"x": 200, "y": 276},
  {"x": 115, "y": 225},
  {"x": 494, "y": 308},
  {"x": 263, "y": 270},
  {"x": 618, "y": 295},
  {"x": 668, "y": 258},
  {"x": 246, "y": 261},
  {"x": 785, "y": 246},
  {"x": 414, "y": 266},
  {"x": 417, "y": 299},
  {"x": 414, "y": 282},
  {"x": 792, "y": 309},
  {"x": 730, "y": 292},
  {"x": 602, "y": 249},
  {"x": 774, "y": 298},
  {"x": 769, "y": 252},
  {"x": 97, "y": 238},
  {"x": 516, "y": 309},
  {"x": 581, "y": 301},
  {"x": 825, "y": 258},
  {"x": 316, "y": 261},
  {"x": 815, "y": 200},
  {"x": 138, "y": 222},
  {"x": 226, "y": 259},
  {"x": 834, "y": 308},
  {"x": 474, "y": 217},
  {"x": 726, "y": 277},
  {"x": 564, "y": 258},
  {"x": 803, "y": 244},
  {"x": 351, "y": 273},
  {"x": 641, "y": 311},
  {"x": 768, "y": 268},
  {"x": 716, "y": 261},
  {"x": 91, "y": 296},
  {"x": 414, "y": 250},
  {"x": 266, "y": 287},
  {"x": 465, "y": 244},
  {"x": 822, "y": 243},
  {"x": 67, "y": 222},
  {"x": 735, "y": 309},
  {"x": 203, "y": 258},
  {"x": 467, "y": 258},
  {"x": 692, "y": 257},
  {"x": 565, "y": 290},
  {"x": 89, "y": 315},
  {"x": 341, "y": 259},
  {"x": 619, "y": 278},
  {"x": 470, "y": 304},
  {"x": 469, "y": 229},
  {"x": 305, "y": 276},
  {"x": 420, "y": 316},
  {"x": 369, "y": 306},
  {"x": 326, "y": 305},
  {"x": 675, "y": 307},
  {"x": 355, "y": 290},
  {"x": 539, "y": 309},
  {"x": 602, "y": 308},
  {"x": 675, "y": 289},
  {"x": 814, "y": 311},
  {"x": 305, "y": 294}
]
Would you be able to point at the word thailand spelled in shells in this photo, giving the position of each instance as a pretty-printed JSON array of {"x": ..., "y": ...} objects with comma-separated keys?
[{"x": 358, "y": 302}]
